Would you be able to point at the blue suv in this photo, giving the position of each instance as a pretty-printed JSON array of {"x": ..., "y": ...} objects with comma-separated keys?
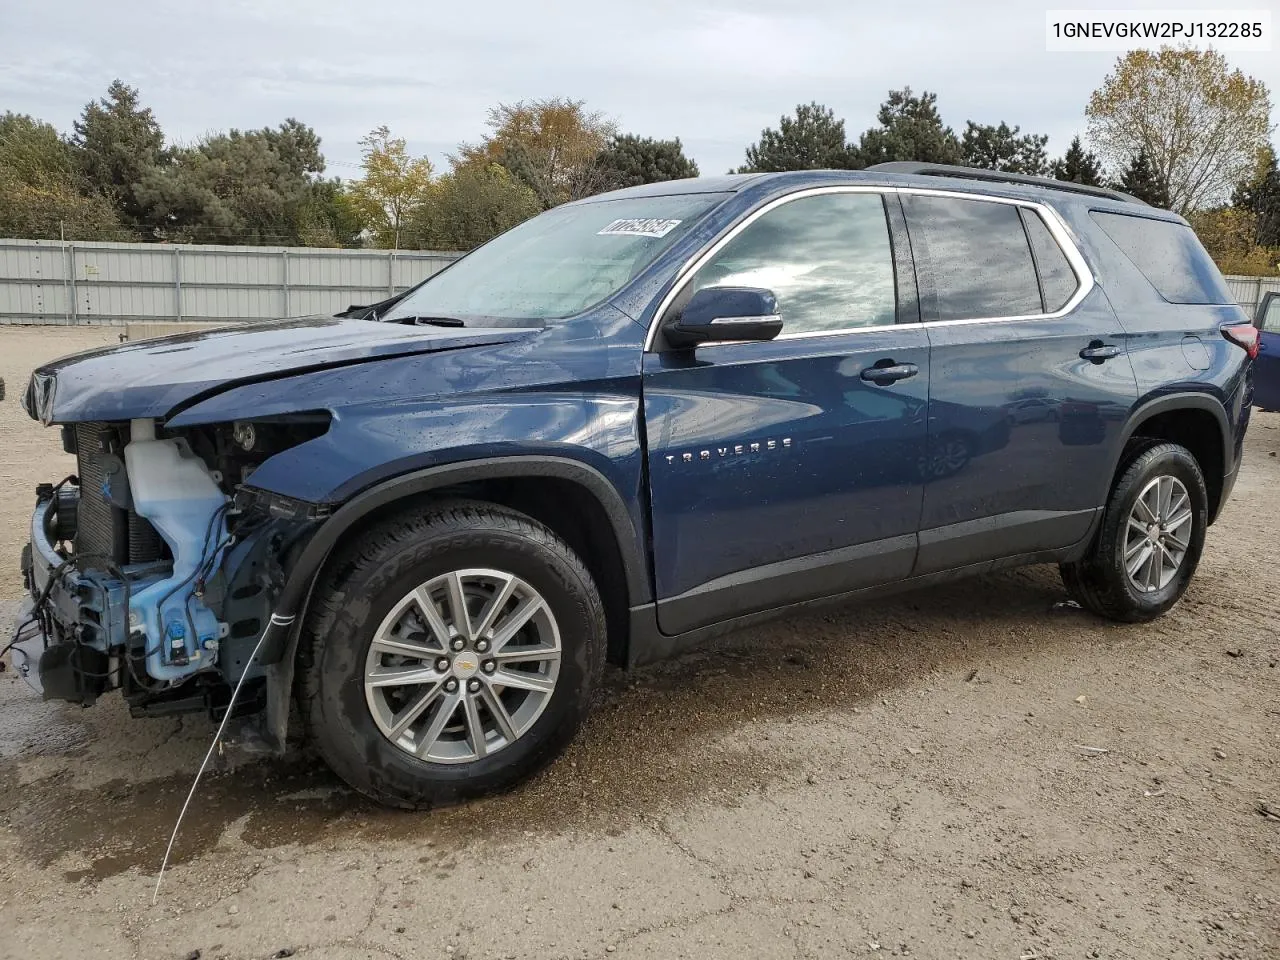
[{"x": 631, "y": 423}]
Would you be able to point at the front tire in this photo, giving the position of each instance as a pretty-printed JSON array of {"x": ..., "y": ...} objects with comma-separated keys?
[
  {"x": 1152, "y": 534},
  {"x": 450, "y": 651}
]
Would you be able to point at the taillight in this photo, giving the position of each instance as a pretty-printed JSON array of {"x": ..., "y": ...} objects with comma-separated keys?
[{"x": 1243, "y": 335}]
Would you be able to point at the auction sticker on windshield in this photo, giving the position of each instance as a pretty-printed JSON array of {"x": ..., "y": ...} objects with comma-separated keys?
[{"x": 639, "y": 227}]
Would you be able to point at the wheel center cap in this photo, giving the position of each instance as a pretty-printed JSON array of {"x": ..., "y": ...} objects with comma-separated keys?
[{"x": 466, "y": 665}]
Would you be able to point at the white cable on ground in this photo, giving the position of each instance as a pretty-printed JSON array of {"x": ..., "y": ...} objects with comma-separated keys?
[{"x": 276, "y": 621}]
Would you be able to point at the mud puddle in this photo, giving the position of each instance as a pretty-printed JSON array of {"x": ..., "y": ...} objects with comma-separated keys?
[{"x": 658, "y": 737}]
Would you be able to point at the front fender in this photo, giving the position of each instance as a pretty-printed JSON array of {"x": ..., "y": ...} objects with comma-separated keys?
[
  {"x": 369, "y": 444},
  {"x": 620, "y": 514},
  {"x": 623, "y": 514}
]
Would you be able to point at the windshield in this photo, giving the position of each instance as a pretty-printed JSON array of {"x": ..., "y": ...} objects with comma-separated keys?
[{"x": 559, "y": 263}]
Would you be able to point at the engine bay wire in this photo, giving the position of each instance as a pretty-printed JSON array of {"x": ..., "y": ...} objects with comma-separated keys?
[
  {"x": 37, "y": 609},
  {"x": 43, "y": 598}
]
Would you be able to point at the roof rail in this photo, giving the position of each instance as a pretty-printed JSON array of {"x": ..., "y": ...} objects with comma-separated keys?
[{"x": 999, "y": 176}]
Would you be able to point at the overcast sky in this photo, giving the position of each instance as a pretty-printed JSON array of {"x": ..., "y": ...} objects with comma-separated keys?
[{"x": 712, "y": 72}]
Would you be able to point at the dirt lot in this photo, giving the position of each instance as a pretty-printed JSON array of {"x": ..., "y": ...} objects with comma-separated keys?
[{"x": 964, "y": 772}]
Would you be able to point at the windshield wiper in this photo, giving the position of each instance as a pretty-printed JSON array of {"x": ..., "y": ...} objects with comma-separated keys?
[{"x": 428, "y": 321}]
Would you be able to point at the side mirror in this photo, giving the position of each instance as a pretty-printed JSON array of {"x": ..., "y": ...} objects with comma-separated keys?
[{"x": 725, "y": 313}]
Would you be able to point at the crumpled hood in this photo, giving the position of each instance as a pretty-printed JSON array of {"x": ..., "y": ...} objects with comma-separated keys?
[{"x": 151, "y": 378}]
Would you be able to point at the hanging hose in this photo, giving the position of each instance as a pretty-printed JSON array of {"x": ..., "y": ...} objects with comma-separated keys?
[{"x": 276, "y": 622}]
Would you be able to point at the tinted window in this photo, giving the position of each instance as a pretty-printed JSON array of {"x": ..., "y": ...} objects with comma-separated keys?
[
  {"x": 826, "y": 258},
  {"x": 1057, "y": 279},
  {"x": 1271, "y": 318},
  {"x": 978, "y": 250},
  {"x": 1169, "y": 255},
  {"x": 559, "y": 263}
]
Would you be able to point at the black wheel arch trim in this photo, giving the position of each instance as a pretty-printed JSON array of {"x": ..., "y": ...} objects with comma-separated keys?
[
  {"x": 1182, "y": 401},
  {"x": 416, "y": 482}
]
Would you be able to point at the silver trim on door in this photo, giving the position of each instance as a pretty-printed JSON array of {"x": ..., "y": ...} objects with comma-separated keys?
[{"x": 1058, "y": 229}]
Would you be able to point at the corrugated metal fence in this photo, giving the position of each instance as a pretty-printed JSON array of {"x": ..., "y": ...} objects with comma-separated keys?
[
  {"x": 50, "y": 282},
  {"x": 46, "y": 281},
  {"x": 1249, "y": 291}
]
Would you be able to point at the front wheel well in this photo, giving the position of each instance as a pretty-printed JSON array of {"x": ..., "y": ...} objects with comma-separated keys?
[
  {"x": 568, "y": 509},
  {"x": 1200, "y": 432}
]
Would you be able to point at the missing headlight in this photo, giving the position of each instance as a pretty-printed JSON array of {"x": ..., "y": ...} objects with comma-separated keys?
[{"x": 235, "y": 450}]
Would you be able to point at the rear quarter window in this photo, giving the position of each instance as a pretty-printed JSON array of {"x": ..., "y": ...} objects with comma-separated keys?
[
  {"x": 978, "y": 253},
  {"x": 1168, "y": 254},
  {"x": 1057, "y": 280}
]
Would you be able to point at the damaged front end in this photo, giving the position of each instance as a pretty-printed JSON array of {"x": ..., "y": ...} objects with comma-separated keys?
[{"x": 154, "y": 570}]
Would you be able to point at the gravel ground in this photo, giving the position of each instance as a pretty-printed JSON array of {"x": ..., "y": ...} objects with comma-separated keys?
[{"x": 963, "y": 772}]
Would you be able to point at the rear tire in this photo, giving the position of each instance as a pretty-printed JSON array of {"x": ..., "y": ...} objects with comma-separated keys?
[
  {"x": 1151, "y": 538},
  {"x": 512, "y": 703}
]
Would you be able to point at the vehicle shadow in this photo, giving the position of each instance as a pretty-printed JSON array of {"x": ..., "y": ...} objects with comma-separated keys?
[{"x": 659, "y": 737}]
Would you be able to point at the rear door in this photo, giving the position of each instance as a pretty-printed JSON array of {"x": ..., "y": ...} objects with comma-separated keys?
[
  {"x": 1266, "y": 368},
  {"x": 788, "y": 470},
  {"x": 1030, "y": 380}
]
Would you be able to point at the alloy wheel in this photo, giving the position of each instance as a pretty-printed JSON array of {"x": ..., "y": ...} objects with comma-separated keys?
[
  {"x": 463, "y": 665},
  {"x": 1158, "y": 534}
]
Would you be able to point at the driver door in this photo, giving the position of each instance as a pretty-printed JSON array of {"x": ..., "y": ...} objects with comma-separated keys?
[{"x": 790, "y": 469}]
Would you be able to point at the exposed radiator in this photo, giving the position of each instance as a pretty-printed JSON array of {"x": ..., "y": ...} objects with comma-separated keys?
[
  {"x": 98, "y": 523},
  {"x": 145, "y": 542},
  {"x": 105, "y": 530}
]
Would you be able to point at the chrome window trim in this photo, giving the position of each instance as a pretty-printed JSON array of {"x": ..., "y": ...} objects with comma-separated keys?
[{"x": 1057, "y": 227}]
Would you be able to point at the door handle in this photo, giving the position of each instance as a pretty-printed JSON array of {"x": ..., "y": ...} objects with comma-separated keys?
[
  {"x": 889, "y": 373},
  {"x": 1098, "y": 351}
]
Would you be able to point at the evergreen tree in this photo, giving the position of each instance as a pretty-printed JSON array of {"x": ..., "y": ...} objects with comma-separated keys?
[
  {"x": 811, "y": 140},
  {"x": 630, "y": 160},
  {"x": 1078, "y": 165},
  {"x": 1139, "y": 179},
  {"x": 1002, "y": 148},
  {"x": 250, "y": 186},
  {"x": 1260, "y": 196},
  {"x": 118, "y": 142},
  {"x": 910, "y": 129}
]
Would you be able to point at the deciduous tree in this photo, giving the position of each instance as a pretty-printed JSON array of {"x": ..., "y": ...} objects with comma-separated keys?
[
  {"x": 330, "y": 217},
  {"x": 469, "y": 206},
  {"x": 43, "y": 195},
  {"x": 1229, "y": 234},
  {"x": 1199, "y": 122},
  {"x": 393, "y": 187},
  {"x": 550, "y": 145}
]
